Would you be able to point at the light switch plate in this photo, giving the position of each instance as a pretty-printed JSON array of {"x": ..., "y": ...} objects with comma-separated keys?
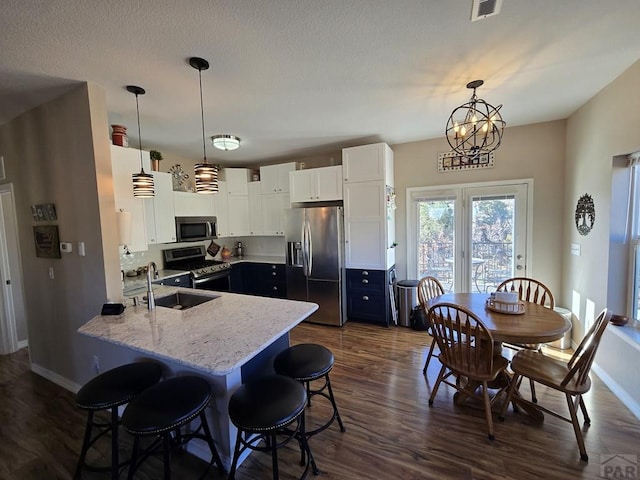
[
  {"x": 66, "y": 247},
  {"x": 575, "y": 249}
]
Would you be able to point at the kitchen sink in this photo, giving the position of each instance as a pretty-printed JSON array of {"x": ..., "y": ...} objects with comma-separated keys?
[{"x": 182, "y": 301}]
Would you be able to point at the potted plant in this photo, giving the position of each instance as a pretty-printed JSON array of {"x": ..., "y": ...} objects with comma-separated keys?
[{"x": 156, "y": 156}]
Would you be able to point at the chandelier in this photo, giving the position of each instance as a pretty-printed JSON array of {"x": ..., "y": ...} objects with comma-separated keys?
[{"x": 475, "y": 128}]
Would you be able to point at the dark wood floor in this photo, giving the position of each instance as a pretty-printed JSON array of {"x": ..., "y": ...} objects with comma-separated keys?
[{"x": 382, "y": 396}]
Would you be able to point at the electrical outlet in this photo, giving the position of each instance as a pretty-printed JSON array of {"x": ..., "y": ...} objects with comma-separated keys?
[{"x": 96, "y": 364}]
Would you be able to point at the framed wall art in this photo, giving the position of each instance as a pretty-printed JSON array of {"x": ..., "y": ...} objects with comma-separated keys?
[
  {"x": 47, "y": 241},
  {"x": 451, "y": 161}
]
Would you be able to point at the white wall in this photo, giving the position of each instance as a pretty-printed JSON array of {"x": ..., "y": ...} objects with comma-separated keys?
[
  {"x": 533, "y": 151},
  {"x": 605, "y": 127}
]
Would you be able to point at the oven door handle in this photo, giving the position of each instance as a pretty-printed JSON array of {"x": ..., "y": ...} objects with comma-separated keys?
[{"x": 208, "y": 278}]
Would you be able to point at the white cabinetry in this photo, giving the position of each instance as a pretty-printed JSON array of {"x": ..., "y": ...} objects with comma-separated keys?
[
  {"x": 238, "y": 215},
  {"x": 368, "y": 163},
  {"x": 237, "y": 180},
  {"x": 274, "y": 207},
  {"x": 189, "y": 204},
  {"x": 369, "y": 226},
  {"x": 316, "y": 184},
  {"x": 124, "y": 163},
  {"x": 255, "y": 209},
  {"x": 275, "y": 178},
  {"x": 159, "y": 211},
  {"x": 221, "y": 209}
]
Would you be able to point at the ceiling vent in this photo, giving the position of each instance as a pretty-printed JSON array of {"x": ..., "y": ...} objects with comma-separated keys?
[{"x": 485, "y": 8}]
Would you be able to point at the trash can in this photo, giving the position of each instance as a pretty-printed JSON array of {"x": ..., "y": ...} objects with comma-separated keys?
[
  {"x": 564, "y": 342},
  {"x": 407, "y": 299}
]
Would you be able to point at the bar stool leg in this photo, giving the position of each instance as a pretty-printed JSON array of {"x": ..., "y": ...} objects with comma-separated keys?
[
  {"x": 274, "y": 455},
  {"x": 134, "y": 457},
  {"x": 85, "y": 444},
  {"x": 333, "y": 403},
  {"x": 212, "y": 445},
  {"x": 236, "y": 454},
  {"x": 115, "y": 467},
  {"x": 166, "y": 446}
]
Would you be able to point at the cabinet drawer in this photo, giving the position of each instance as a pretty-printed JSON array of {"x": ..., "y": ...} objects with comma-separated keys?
[
  {"x": 365, "y": 305},
  {"x": 366, "y": 280}
]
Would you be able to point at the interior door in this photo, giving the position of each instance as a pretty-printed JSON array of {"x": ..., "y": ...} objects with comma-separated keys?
[{"x": 469, "y": 238}]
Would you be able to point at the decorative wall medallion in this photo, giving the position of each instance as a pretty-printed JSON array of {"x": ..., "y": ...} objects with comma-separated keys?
[
  {"x": 178, "y": 177},
  {"x": 452, "y": 161},
  {"x": 585, "y": 214}
]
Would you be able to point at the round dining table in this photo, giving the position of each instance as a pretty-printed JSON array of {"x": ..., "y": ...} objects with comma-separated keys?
[{"x": 538, "y": 324}]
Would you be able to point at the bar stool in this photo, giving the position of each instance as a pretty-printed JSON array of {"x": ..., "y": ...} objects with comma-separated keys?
[
  {"x": 305, "y": 363},
  {"x": 108, "y": 391},
  {"x": 262, "y": 409},
  {"x": 163, "y": 409}
]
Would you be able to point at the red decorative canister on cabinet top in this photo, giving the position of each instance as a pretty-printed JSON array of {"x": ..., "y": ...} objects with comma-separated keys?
[{"x": 119, "y": 135}]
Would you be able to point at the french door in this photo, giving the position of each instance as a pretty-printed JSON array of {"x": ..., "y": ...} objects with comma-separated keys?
[{"x": 470, "y": 237}]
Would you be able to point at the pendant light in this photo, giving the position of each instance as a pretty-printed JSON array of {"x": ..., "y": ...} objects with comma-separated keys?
[
  {"x": 205, "y": 173},
  {"x": 475, "y": 128},
  {"x": 142, "y": 182}
]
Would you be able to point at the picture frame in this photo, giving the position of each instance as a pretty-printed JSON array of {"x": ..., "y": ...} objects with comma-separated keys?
[
  {"x": 452, "y": 161},
  {"x": 47, "y": 241},
  {"x": 44, "y": 212}
]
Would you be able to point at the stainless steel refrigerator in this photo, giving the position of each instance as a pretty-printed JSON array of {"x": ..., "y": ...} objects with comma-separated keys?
[{"x": 315, "y": 261}]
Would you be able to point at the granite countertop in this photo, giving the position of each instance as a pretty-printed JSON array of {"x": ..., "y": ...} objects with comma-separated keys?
[
  {"x": 276, "y": 259},
  {"x": 216, "y": 337}
]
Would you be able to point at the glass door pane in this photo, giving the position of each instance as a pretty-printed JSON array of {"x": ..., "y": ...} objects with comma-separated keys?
[
  {"x": 497, "y": 236},
  {"x": 436, "y": 236}
]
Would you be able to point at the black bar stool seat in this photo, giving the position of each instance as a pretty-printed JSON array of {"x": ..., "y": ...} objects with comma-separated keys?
[
  {"x": 262, "y": 409},
  {"x": 108, "y": 391},
  {"x": 305, "y": 363},
  {"x": 162, "y": 410}
]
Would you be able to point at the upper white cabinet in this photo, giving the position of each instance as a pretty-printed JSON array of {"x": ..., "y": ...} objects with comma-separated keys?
[
  {"x": 274, "y": 206},
  {"x": 275, "y": 178},
  {"x": 368, "y": 216},
  {"x": 159, "y": 211},
  {"x": 190, "y": 204},
  {"x": 316, "y": 184},
  {"x": 238, "y": 215},
  {"x": 221, "y": 209},
  {"x": 124, "y": 163},
  {"x": 237, "y": 180},
  {"x": 255, "y": 209},
  {"x": 368, "y": 163}
]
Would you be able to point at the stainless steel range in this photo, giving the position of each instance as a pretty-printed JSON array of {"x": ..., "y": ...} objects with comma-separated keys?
[{"x": 205, "y": 274}]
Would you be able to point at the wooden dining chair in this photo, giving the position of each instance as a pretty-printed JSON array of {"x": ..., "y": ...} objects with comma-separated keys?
[
  {"x": 428, "y": 288},
  {"x": 570, "y": 378},
  {"x": 466, "y": 351},
  {"x": 529, "y": 290}
]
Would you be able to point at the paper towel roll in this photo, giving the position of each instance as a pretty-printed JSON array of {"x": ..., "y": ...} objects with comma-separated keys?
[{"x": 124, "y": 227}]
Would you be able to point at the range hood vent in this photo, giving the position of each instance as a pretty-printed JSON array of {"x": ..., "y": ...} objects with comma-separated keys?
[{"x": 485, "y": 8}]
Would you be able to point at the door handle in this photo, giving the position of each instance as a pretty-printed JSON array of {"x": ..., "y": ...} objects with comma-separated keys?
[{"x": 519, "y": 267}]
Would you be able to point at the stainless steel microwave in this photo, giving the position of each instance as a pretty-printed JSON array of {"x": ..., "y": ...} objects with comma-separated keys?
[{"x": 193, "y": 229}]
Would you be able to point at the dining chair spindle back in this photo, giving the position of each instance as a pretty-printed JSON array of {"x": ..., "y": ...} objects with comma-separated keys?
[{"x": 428, "y": 288}]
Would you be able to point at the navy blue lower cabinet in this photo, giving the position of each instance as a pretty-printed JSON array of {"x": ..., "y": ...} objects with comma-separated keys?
[
  {"x": 237, "y": 283},
  {"x": 368, "y": 296},
  {"x": 265, "y": 279}
]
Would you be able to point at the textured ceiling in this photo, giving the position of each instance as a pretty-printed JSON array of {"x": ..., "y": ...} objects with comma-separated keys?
[{"x": 298, "y": 77}]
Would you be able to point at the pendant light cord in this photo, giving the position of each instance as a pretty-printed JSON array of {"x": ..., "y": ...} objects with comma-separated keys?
[
  {"x": 204, "y": 145},
  {"x": 139, "y": 136}
]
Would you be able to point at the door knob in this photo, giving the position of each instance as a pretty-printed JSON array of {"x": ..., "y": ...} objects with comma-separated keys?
[{"x": 519, "y": 267}]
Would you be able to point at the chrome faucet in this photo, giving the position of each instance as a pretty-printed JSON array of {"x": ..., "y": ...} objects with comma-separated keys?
[{"x": 152, "y": 272}]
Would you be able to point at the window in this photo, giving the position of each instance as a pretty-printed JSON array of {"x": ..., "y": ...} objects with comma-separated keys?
[{"x": 634, "y": 233}]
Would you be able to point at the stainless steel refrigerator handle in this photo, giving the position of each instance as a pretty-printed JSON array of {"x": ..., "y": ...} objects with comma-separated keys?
[
  {"x": 310, "y": 248},
  {"x": 306, "y": 248}
]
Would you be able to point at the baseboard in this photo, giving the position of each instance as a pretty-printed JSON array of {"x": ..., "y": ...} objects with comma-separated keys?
[
  {"x": 628, "y": 401},
  {"x": 22, "y": 344},
  {"x": 55, "y": 378}
]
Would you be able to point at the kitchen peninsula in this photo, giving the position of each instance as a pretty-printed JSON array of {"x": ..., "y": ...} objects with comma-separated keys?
[{"x": 227, "y": 340}]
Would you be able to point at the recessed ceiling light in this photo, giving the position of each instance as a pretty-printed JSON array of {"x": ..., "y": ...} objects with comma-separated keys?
[{"x": 225, "y": 142}]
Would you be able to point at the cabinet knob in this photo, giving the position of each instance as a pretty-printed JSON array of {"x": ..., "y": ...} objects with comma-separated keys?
[
  {"x": 365, "y": 298},
  {"x": 274, "y": 273},
  {"x": 364, "y": 280},
  {"x": 275, "y": 288},
  {"x": 365, "y": 273},
  {"x": 273, "y": 267}
]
